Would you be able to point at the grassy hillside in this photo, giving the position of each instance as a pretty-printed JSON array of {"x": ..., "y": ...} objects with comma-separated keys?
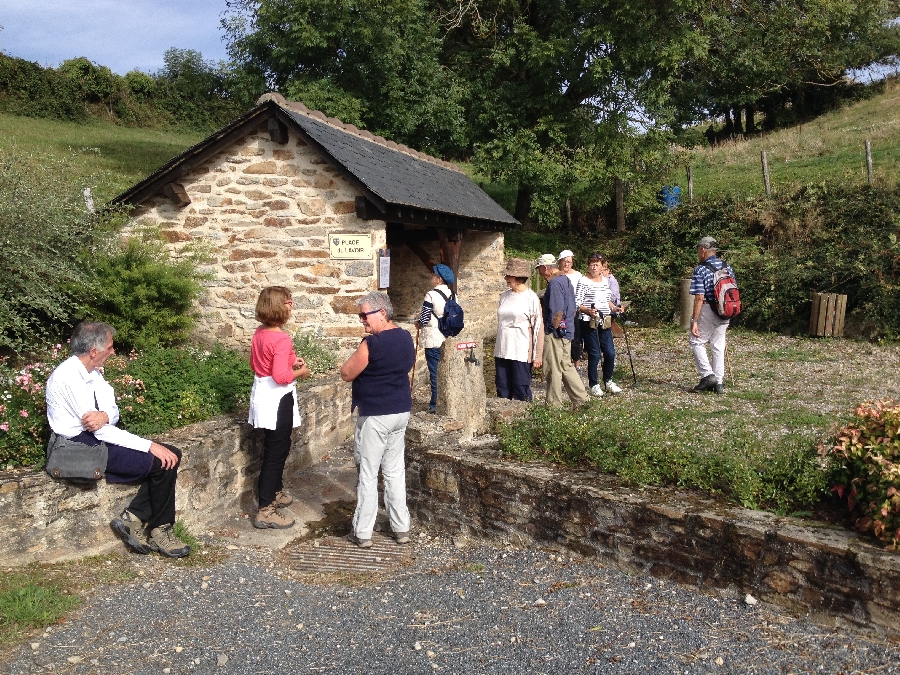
[
  {"x": 831, "y": 148},
  {"x": 109, "y": 158}
]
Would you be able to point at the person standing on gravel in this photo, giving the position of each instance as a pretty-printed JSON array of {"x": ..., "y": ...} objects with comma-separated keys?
[
  {"x": 706, "y": 325},
  {"x": 379, "y": 370},
  {"x": 432, "y": 310},
  {"x": 558, "y": 307},
  {"x": 273, "y": 401},
  {"x": 520, "y": 336},
  {"x": 81, "y": 407}
]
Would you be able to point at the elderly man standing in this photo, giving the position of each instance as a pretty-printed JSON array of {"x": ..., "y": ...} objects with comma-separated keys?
[
  {"x": 558, "y": 306},
  {"x": 81, "y": 407},
  {"x": 706, "y": 325}
]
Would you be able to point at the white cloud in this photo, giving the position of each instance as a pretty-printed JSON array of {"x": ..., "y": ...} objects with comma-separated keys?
[{"x": 120, "y": 34}]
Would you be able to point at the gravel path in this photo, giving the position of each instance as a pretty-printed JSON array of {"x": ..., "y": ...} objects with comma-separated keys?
[{"x": 477, "y": 609}]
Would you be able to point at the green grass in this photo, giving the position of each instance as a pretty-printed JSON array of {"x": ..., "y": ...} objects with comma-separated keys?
[
  {"x": 110, "y": 158},
  {"x": 830, "y": 148},
  {"x": 27, "y": 602}
]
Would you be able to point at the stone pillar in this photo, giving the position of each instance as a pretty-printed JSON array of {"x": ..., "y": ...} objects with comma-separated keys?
[{"x": 461, "y": 392}]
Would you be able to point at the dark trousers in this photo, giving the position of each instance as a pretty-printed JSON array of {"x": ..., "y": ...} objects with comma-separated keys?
[
  {"x": 275, "y": 452},
  {"x": 592, "y": 345},
  {"x": 432, "y": 356},
  {"x": 608, "y": 350},
  {"x": 154, "y": 502},
  {"x": 513, "y": 379}
]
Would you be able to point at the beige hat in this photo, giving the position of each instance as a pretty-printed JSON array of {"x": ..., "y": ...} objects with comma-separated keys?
[
  {"x": 546, "y": 259},
  {"x": 516, "y": 267}
]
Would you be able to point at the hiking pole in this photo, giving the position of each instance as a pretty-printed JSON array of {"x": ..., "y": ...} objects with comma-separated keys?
[
  {"x": 628, "y": 347},
  {"x": 412, "y": 380},
  {"x": 728, "y": 361}
]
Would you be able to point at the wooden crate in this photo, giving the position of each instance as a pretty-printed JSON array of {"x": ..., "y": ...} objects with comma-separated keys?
[{"x": 827, "y": 316}]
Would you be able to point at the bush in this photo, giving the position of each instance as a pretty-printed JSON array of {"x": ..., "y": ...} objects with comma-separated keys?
[
  {"x": 865, "y": 461},
  {"x": 47, "y": 240},
  {"x": 145, "y": 294},
  {"x": 166, "y": 388},
  {"x": 161, "y": 389},
  {"x": 654, "y": 446}
]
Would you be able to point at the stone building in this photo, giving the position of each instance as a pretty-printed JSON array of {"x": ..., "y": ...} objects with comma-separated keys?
[{"x": 287, "y": 196}]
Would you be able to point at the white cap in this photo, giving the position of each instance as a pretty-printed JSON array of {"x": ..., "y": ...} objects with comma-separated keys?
[{"x": 566, "y": 254}]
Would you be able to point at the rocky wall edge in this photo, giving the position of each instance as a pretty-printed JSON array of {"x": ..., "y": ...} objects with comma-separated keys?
[
  {"x": 44, "y": 520},
  {"x": 805, "y": 566}
]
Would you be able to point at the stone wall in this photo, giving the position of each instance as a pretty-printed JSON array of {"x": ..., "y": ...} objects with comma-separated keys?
[
  {"x": 805, "y": 566},
  {"x": 267, "y": 209},
  {"x": 46, "y": 520}
]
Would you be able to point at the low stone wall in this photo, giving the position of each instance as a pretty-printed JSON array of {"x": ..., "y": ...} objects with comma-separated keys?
[
  {"x": 45, "y": 520},
  {"x": 805, "y": 566}
]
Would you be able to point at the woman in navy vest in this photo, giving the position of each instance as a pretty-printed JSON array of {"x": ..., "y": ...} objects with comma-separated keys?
[{"x": 379, "y": 370}]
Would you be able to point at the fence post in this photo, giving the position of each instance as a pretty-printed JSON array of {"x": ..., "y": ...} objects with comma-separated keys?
[
  {"x": 869, "y": 162},
  {"x": 690, "y": 178},
  {"x": 765, "y": 167}
]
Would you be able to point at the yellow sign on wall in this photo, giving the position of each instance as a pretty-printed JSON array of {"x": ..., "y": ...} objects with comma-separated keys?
[{"x": 351, "y": 246}]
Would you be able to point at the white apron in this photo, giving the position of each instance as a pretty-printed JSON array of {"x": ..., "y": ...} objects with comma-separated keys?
[{"x": 264, "y": 399}]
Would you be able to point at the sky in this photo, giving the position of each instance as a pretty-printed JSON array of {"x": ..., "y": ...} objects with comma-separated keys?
[{"x": 120, "y": 34}]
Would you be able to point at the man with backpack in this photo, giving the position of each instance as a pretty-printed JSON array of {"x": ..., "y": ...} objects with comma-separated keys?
[
  {"x": 441, "y": 317},
  {"x": 716, "y": 302}
]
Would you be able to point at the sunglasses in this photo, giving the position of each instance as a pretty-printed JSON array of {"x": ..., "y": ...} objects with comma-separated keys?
[{"x": 363, "y": 315}]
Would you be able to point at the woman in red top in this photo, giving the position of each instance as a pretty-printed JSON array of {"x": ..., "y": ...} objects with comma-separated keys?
[{"x": 273, "y": 400}]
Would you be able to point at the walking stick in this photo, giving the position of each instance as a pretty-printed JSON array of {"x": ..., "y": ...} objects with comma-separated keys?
[
  {"x": 728, "y": 361},
  {"x": 412, "y": 380},
  {"x": 628, "y": 347}
]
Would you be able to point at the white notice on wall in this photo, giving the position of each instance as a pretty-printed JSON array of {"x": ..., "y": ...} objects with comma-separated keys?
[
  {"x": 384, "y": 268},
  {"x": 350, "y": 246}
]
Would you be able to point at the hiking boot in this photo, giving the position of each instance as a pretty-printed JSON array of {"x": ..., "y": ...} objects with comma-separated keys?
[
  {"x": 597, "y": 390},
  {"x": 720, "y": 388},
  {"x": 131, "y": 529},
  {"x": 362, "y": 543},
  {"x": 613, "y": 388},
  {"x": 270, "y": 516},
  {"x": 283, "y": 499},
  {"x": 163, "y": 541},
  {"x": 706, "y": 384},
  {"x": 401, "y": 537}
]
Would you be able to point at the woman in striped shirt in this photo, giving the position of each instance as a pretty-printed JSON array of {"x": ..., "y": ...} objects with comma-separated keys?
[{"x": 592, "y": 301}]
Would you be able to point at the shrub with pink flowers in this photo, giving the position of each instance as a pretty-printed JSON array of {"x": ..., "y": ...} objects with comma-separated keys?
[{"x": 865, "y": 462}]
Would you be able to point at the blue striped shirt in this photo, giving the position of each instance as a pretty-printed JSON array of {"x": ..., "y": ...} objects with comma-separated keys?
[{"x": 702, "y": 279}]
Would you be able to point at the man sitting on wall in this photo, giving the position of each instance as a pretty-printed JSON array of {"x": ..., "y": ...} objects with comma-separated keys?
[{"x": 81, "y": 406}]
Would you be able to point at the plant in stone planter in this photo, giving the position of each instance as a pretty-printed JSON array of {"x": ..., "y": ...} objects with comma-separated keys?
[{"x": 865, "y": 464}]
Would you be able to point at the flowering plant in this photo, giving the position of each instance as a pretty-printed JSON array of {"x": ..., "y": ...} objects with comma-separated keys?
[{"x": 865, "y": 461}]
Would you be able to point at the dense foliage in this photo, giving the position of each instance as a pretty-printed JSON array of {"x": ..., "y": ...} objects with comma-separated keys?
[
  {"x": 188, "y": 92},
  {"x": 865, "y": 464},
  {"x": 47, "y": 240},
  {"x": 650, "y": 445},
  {"x": 157, "y": 390},
  {"x": 828, "y": 239}
]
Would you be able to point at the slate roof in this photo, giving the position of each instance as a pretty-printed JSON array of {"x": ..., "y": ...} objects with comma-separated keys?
[
  {"x": 393, "y": 174},
  {"x": 399, "y": 178}
]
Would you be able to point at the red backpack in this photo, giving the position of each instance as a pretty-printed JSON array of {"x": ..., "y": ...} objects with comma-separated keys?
[{"x": 725, "y": 290}]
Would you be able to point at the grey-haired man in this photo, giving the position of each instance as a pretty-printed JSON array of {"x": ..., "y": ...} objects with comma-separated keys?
[{"x": 706, "y": 325}]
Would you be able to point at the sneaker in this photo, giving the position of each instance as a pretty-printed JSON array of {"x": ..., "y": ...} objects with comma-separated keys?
[
  {"x": 613, "y": 388},
  {"x": 163, "y": 540},
  {"x": 283, "y": 498},
  {"x": 131, "y": 529},
  {"x": 401, "y": 537},
  {"x": 705, "y": 384},
  {"x": 270, "y": 516},
  {"x": 720, "y": 389},
  {"x": 362, "y": 543},
  {"x": 597, "y": 390}
]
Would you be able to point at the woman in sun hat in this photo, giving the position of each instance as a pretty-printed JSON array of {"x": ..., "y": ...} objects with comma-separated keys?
[{"x": 520, "y": 334}]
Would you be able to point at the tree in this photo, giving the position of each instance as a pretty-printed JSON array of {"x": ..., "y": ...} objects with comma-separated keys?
[{"x": 375, "y": 64}]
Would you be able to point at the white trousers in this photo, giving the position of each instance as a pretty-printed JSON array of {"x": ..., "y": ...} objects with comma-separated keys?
[
  {"x": 712, "y": 330},
  {"x": 379, "y": 442}
]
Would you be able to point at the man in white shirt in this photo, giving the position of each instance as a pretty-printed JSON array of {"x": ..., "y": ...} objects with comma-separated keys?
[{"x": 81, "y": 406}]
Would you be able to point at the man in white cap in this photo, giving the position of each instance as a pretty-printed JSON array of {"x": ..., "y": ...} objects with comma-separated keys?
[
  {"x": 558, "y": 306},
  {"x": 706, "y": 325}
]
